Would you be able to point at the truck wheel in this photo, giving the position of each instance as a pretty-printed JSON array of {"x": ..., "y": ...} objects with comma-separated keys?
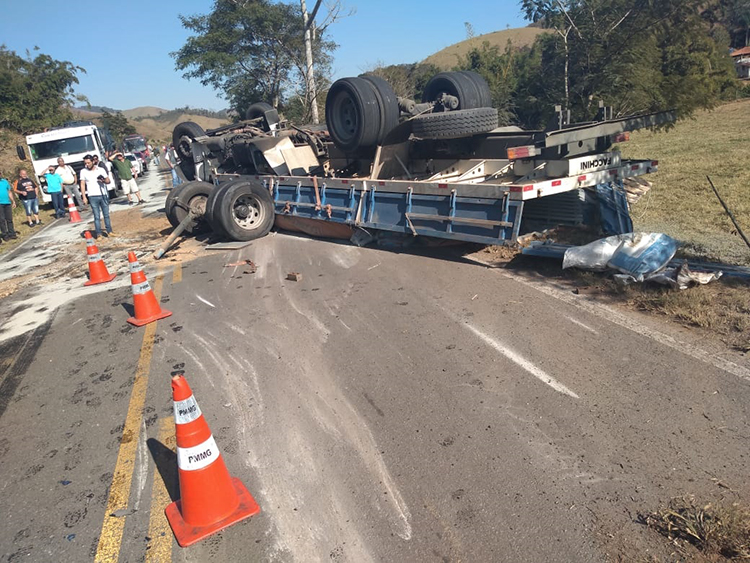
[
  {"x": 257, "y": 110},
  {"x": 192, "y": 196},
  {"x": 485, "y": 96},
  {"x": 183, "y": 135},
  {"x": 211, "y": 215},
  {"x": 169, "y": 202},
  {"x": 455, "y": 84},
  {"x": 244, "y": 210},
  {"x": 454, "y": 124},
  {"x": 388, "y": 103},
  {"x": 353, "y": 114}
]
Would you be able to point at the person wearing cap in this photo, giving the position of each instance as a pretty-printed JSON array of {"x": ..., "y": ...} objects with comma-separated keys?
[
  {"x": 125, "y": 171},
  {"x": 54, "y": 189}
]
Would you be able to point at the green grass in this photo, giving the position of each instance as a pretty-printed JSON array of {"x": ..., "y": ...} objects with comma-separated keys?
[{"x": 681, "y": 203}]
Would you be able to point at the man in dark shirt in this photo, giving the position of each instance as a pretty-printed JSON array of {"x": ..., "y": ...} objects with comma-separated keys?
[{"x": 26, "y": 190}]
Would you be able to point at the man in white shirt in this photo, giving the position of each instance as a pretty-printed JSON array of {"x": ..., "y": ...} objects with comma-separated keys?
[
  {"x": 94, "y": 189},
  {"x": 70, "y": 185}
]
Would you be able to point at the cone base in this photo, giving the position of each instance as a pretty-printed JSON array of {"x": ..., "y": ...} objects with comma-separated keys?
[
  {"x": 187, "y": 534},
  {"x": 142, "y": 322},
  {"x": 103, "y": 280}
]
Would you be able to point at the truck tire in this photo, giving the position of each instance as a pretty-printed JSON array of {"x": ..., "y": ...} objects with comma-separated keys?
[
  {"x": 211, "y": 216},
  {"x": 188, "y": 169},
  {"x": 244, "y": 210},
  {"x": 193, "y": 195},
  {"x": 388, "y": 102},
  {"x": 454, "y": 124},
  {"x": 455, "y": 84},
  {"x": 353, "y": 114},
  {"x": 257, "y": 110},
  {"x": 171, "y": 198},
  {"x": 485, "y": 96},
  {"x": 183, "y": 134}
]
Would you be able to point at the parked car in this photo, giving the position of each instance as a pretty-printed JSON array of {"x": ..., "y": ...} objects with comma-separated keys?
[{"x": 135, "y": 164}]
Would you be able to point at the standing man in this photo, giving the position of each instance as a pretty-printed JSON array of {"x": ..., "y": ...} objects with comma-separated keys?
[
  {"x": 70, "y": 182},
  {"x": 128, "y": 183},
  {"x": 171, "y": 157},
  {"x": 94, "y": 185},
  {"x": 54, "y": 189},
  {"x": 7, "y": 205},
  {"x": 26, "y": 190}
]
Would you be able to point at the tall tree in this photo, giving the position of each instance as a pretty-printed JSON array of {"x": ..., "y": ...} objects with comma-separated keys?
[
  {"x": 118, "y": 125},
  {"x": 37, "y": 92},
  {"x": 252, "y": 50},
  {"x": 638, "y": 55}
]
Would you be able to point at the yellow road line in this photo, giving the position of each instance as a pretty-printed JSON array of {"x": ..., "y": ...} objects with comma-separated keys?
[
  {"x": 110, "y": 538},
  {"x": 159, "y": 548},
  {"x": 177, "y": 273}
]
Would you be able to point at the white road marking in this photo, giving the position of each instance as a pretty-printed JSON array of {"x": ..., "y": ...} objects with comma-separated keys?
[
  {"x": 610, "y": 314},
  {"x": 206, "y": 302},
  {"x": 522, "y": 362},
  {"x": 579, "y": 323}
]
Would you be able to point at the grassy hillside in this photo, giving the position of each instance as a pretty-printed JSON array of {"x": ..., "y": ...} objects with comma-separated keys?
[
  {"x": 520, "y": 37},
  {"x": 161, "y": 130},
  {"x": 681, "y": 203},
  {"x": 143, "y": 111}
]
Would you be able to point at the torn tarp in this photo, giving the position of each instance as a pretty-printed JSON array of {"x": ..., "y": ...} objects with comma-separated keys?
[
  {"x": 633, "y": 254},
  {"x": 638, "y": 257}
]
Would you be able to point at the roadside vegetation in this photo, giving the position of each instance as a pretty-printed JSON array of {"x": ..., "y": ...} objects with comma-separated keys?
[{"x": 716, "y": 531}]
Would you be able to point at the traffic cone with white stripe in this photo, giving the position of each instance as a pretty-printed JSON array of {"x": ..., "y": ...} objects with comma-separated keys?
[
  {"x": 210, "y": 499},
  {"x": 147, "y": 309},
  {"x": 98, "y": 272},
  {"x": 75, "y": 217}
]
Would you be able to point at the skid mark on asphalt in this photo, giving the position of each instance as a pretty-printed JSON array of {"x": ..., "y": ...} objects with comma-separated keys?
[
  {"x": 610, "y": 314},
  {"x": 516, "y": 358}
]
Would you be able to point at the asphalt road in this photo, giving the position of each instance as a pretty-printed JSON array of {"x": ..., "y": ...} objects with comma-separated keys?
[{"x": 386, "y": 407}]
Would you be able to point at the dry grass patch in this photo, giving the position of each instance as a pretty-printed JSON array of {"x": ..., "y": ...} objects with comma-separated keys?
[{"x": 719, "y": 532}]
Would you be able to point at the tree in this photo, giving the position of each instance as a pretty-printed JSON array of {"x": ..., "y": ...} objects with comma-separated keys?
[
  {"x": 642, "y": 55},
  {"x": 253, "y": 50},
  {"x": 35, "y": 93},
  {"x": 118, "y": 125}
]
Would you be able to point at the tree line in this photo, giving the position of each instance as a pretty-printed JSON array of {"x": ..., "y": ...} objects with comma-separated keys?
[{"x": 636, "y": 55}]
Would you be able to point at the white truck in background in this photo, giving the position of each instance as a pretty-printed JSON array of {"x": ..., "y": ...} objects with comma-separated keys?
[{"x": 72, "y": 142}]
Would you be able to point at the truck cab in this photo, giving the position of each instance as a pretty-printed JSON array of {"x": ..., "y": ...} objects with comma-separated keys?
[{"x": 72, "y": 142}]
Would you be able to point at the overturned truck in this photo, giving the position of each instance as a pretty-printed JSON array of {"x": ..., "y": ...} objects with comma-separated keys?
[{"x": 382, "y": 164}]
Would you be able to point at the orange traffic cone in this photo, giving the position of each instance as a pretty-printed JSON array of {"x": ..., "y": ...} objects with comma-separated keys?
[
  {"x": 98, "y": 272},
  {"x": 210, "y": 499},
  {"x": 75, "y": 217},
  {"x": 147, "y": 309}
]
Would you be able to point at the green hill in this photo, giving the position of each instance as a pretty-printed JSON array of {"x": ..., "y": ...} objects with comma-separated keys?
[{"x": 520, "y": 37}]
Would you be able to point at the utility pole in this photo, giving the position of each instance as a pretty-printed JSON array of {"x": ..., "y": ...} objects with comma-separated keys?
[{"x": 312, "y": 95}]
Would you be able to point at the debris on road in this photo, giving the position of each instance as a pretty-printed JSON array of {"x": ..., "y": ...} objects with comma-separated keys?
[
  {"x": 242, "y": 263},
  {"x": 638, "y": 257},
  {"x": 294, "y": 276}
]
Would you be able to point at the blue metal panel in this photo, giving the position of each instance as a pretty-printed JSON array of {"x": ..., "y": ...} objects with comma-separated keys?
[
  {"x": 613, "y": 209},
  {"x": 487, "y": 221}
]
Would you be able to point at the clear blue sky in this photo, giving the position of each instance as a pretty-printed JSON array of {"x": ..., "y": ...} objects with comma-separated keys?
[{"x": 127, "y": 57}]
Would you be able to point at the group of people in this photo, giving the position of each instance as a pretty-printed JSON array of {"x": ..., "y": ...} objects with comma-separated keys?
[{"x": 87, "y": 188}]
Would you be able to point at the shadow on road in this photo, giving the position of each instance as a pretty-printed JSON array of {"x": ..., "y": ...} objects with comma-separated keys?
[{"x": 166, "y": 463}]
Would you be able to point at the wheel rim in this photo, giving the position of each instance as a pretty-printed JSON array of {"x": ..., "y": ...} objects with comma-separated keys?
[
  {"x": 198, "y": 204},
  {"x": 347, "y": 117},
  {"x": 248, "y": 212},
  {"x": 184, "y": 147}
]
